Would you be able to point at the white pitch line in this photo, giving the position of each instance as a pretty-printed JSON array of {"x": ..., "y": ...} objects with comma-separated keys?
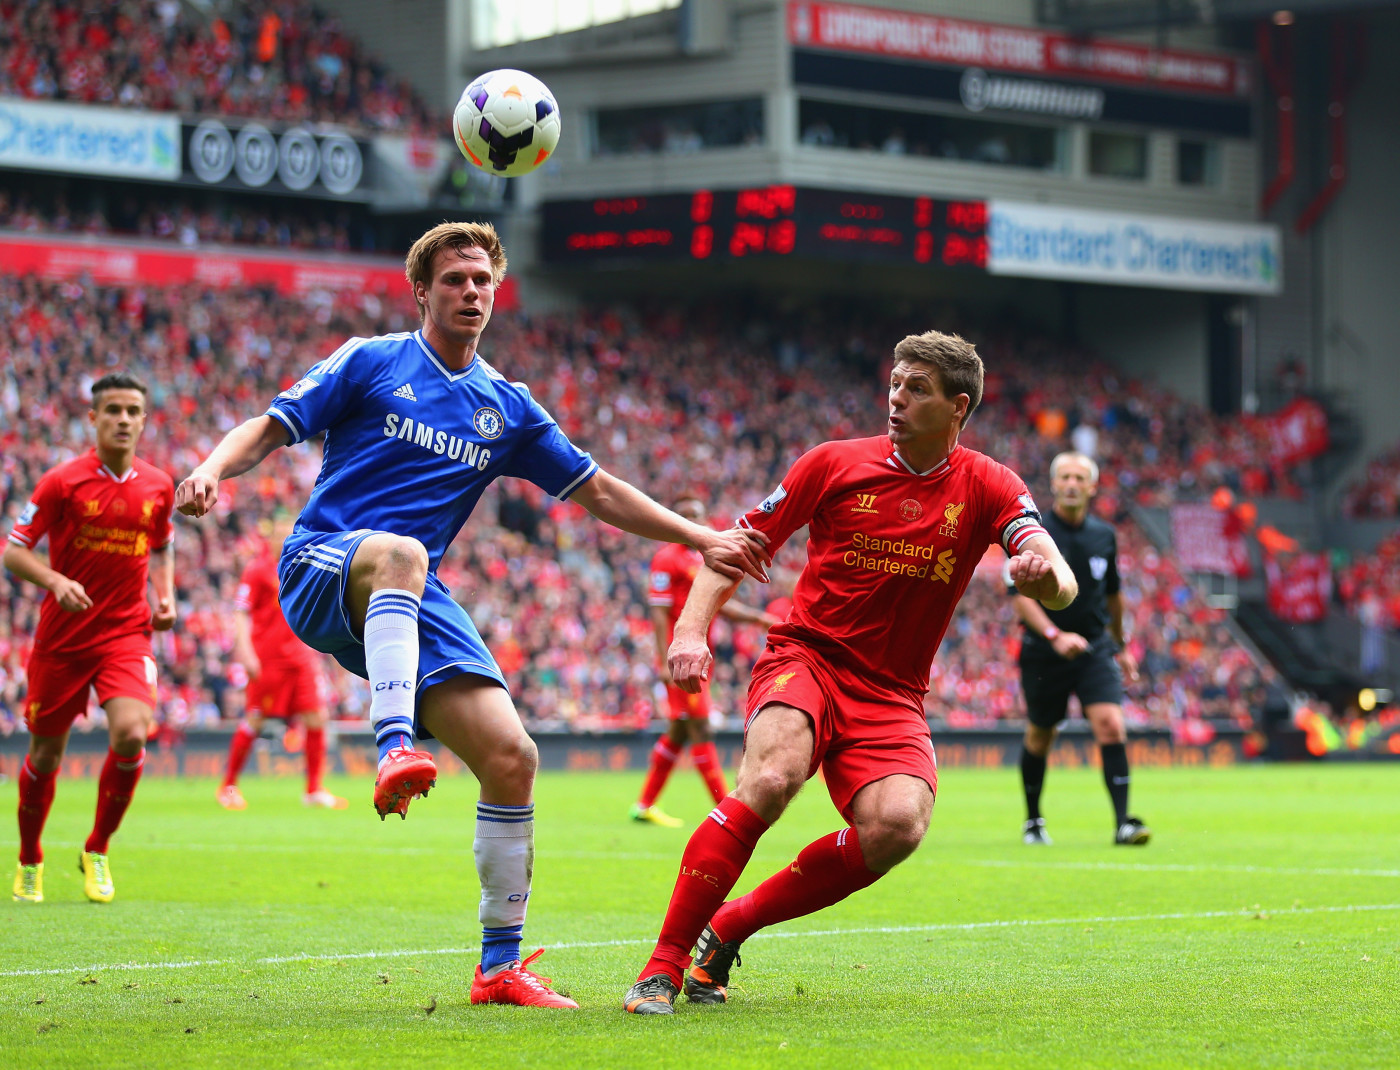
[
  {"x": 1183, "y": 867},
  {"x": 927, "y": 858},
  {"x": 967, "y": 926}
]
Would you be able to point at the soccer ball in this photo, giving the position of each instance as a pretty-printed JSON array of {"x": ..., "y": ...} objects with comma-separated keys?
[{"x": 507, "y": 123}]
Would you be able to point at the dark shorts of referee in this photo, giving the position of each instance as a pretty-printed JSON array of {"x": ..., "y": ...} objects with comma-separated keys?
[{"x": 1048, "y": 680}]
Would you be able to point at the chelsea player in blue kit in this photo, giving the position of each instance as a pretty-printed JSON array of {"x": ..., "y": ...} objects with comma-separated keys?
[{"x": 417, "y": 426}]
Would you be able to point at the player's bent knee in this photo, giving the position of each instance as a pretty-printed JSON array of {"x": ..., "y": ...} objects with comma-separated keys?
[
  {"x": 890, "y": 838},
  {"x": 774, "y": 785}
]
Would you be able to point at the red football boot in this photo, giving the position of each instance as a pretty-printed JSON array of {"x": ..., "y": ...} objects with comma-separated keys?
[
  {"x": 520, "y": 987},
  {"x": 404, "y": 775}
]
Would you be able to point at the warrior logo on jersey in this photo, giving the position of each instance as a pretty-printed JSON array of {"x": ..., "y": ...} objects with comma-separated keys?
[
  {"x": 488, "y": 423},
  {"x": 951, "y": 512},
  {"x": 297, "y": 389},
  {"x": 148, "y": 506},
  {"x": 865, "y": 503},
  {"x": 910, "y": 510},
  {"x": 92, "y": 507}
]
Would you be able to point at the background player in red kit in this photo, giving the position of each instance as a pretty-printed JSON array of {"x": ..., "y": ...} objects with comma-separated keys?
[
  {"x": 284, "y": 677},
  {"x": 673, "y": 570},
  {"x": 105, "y": 513},
  {"x": 897, "y": 524}
]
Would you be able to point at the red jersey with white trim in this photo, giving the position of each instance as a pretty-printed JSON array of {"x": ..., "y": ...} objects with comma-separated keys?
[
  {"x": 889, "y": 550},
  {"x": 101, "y": 531},
  {"x": 274, "y": 642},
  {"x": 673, "y": 571}
]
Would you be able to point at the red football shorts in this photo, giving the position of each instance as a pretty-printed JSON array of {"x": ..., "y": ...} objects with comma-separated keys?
[
  {"x": 684, "y": 706},
  {"x": 59, "y": 684},
  {"x": 282, "y": 691},
  {"x": 863, "y": 733}
]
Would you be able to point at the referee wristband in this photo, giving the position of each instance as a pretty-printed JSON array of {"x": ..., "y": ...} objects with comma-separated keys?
[{"x": 1051, "y": 634}]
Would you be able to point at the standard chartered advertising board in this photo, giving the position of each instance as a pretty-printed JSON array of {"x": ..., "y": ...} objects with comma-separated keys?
[
  {"x": 1133, "y": 250},
  {"x": 89, "y": 140}
]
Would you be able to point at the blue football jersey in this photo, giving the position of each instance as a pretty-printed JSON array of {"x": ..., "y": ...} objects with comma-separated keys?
[{"x": 411, "y": 446}]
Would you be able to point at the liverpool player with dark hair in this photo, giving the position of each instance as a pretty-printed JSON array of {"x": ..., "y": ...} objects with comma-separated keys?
[
  {"x": 673, "y": 569},
  {"x": 1077, "y": 651},
  {"x": 897, "y": 524},
  {"x": 106, "y": 513}
]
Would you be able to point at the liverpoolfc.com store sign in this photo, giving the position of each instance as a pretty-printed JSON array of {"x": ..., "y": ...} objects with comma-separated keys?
[{"x": 958, "y": 42}]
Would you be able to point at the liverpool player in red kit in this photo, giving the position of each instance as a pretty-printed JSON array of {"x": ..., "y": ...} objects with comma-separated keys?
[
  {"x": 106, "y": 514},
  {"x": 673, "y": 570},
  {"x": 284, "y": 679},
  {"x": 896, "y": 526}
]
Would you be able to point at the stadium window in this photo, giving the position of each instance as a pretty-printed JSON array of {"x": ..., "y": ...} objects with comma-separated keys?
[
  {"x": 895, "y": 132},
  {"x": 1117, "y": 155},
  {"x": 678, "y": 128},
  {"x": 1197, "y": 163},
  {"x": 496, "y": 23}
]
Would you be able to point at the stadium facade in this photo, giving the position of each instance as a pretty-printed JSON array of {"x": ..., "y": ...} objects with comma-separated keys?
[{"x": 1219, "y": 186}]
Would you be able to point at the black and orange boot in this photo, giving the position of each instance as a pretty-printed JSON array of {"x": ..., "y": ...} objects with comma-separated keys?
[{"x": 707, "y": 981}]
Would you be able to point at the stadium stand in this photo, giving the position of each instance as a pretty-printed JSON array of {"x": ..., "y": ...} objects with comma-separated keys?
[
  {"x": 672, "y": 399},
  {"x": 1377, "y": 494},
  {"x": 189, "y": 222},
  {"x": 282, "y": 60}
]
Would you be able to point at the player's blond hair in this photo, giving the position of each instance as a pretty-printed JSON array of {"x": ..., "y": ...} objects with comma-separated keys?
[
  {"x": 418, "y": 265},
  {"x": 1076, "y": 456},
  {"x": 953, "y": 358}
]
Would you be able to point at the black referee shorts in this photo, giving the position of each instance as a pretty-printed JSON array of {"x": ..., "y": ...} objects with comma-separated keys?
[{"x": 1048, "y": 680}]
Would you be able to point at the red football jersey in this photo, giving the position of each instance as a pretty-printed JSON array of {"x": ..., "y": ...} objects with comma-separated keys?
[
  {"x": 890, "y": 550},
  {"x": 673, "y": 571},
  {"x": 274, "y": 642},
  {"x": 101, "y": 533}
]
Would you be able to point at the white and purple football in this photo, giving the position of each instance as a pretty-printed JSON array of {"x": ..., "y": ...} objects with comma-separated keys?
[{"x": 507, "y": 123}]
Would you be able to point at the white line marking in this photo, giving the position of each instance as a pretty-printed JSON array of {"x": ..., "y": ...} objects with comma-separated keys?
[
  {"x": 1017, "y": 923},
  {"x": 927, "y": 858},
  {"x": 1183, "y": 867}
]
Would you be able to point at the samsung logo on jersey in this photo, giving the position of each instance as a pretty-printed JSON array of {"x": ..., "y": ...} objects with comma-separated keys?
[{"x": 421, "y": 434}]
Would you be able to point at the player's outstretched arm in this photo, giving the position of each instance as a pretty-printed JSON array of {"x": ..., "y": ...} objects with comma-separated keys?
[
  {"x": 28, "y": 565},
  {"x": 242, "y": 449},
  {"x": 689, "y": 658},
  {"x": 163, "y": 580},
  {"x": 743, "y": 613},
  {"x": 617, "y": 502},
  {"x": 1040, "y": 572}
]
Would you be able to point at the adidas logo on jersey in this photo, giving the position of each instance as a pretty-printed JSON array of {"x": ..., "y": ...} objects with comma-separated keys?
[{"x": 406, "y": 391}]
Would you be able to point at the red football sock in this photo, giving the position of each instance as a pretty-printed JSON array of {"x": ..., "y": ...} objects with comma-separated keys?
[
  {"x": 663, "y": 758},
  {"x": 315, "y": 758},
  {"x": 35, "y": 798},
  {"x": 115, "y": 788},
  {"x": 707, "y": 764},
  {"x": 238, "y": 748},
  {"x": 824, "y": 873},
  {"x": 713, "y": 860}
]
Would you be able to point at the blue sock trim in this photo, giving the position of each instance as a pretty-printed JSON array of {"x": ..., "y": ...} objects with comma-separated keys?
[
  {"x": 500, "y": 946},
  {"x": 393, "y": 732}
]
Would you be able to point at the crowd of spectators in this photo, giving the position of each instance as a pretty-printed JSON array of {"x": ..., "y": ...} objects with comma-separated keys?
[
  {"x": 1377, "y": 494},
  {"x": 709, "y": 399},
  {"x": 284, "y": 60},
  {"x": 1369, "y": 584},
  {"x": 310, "y": 226}
]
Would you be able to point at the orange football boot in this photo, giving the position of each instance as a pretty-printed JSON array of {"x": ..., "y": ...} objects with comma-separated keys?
[
  {"x": 404, "y": 774},
  {"x": 519, "y": 986}
]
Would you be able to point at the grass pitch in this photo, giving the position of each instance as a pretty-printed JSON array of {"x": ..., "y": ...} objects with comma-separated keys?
[{"x": 1260, "y": 928}]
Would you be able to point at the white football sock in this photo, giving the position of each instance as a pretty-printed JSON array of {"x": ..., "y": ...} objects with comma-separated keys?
[
  {"x": 391, "y": 658},
  {"x": 504, "y": 847}
]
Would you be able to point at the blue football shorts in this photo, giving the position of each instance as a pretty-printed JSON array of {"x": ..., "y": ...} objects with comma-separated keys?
[{"x": 312, "y": 575}]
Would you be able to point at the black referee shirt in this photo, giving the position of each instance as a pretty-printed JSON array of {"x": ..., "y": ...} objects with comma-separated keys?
[{"x": 1092, "y": 553}]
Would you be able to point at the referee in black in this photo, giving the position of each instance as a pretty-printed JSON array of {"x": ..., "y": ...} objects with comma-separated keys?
[{"x": 1078, "y": 650}]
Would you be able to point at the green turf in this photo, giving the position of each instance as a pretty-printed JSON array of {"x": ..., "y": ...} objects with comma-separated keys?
[{"x": 1226, "y": 942}]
